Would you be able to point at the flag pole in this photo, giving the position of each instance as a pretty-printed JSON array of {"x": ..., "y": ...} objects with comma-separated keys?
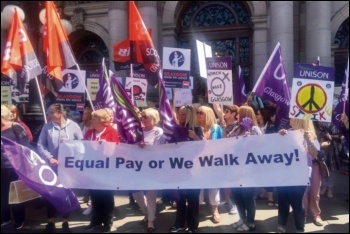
[
  {"x": 86, "y": 90},
  {"x": 132, "y": 84},
  {"x": 41, "y": 99},
  {"x": 266, "y": 66},
  {"x": 346, "y": 91}
]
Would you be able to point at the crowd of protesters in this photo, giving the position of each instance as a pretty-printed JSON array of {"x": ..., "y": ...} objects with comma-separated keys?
[{"x": 203, "y": 122}]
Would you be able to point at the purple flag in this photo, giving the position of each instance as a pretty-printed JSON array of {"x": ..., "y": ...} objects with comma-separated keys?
[
  {"x": 240, "y": 97},
  {"x": 172, "y": 131},
  {"x": 39, "y": 176},
  {"x": 272, "y": 85},
  {"x": 318, "y": 62},
  {"x": 129, "y": 125},
  {"x": 343, "y": 105},
  {"x": 104, "y": 96}
]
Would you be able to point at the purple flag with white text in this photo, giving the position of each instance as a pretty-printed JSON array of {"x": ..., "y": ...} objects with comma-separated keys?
[
  {"x": 343, "y": 105},
  {"x": 39, "y": 176},
  {"x": 104, "y": 96},
  {"x": 129, "y": 125},
  {"x": 239, "y": 94},
  {"x": 272, "y": 85},
  {"x": 172, "y": 131}
]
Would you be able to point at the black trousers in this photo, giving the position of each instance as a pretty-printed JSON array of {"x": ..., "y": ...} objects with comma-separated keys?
[
  {"x": 102, "y": 202},
  {"x": 7, "y": 176},
  {"x": 188, "y": 214}
]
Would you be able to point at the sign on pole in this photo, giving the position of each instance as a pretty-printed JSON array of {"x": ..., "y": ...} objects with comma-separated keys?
[
  {"x": 219, "y": 82},
  {"x": 312, "y": 93}
]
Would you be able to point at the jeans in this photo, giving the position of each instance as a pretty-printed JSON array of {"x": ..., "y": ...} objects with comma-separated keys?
[
  {"x": 244, "y": 199},
  {"x": 291, "y": 196}
]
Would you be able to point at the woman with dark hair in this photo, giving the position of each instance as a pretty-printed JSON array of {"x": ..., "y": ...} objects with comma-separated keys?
[
  {"x": 58, "y": 129},
  {"x": 263, "y": 117}
]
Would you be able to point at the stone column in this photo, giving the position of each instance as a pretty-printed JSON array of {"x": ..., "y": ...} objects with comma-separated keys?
[
  {"x": 149, "y": 13},
  {"x": 260, "y": 51},
  {"x": 118, "y": 26},
  {"x": 318, "y": 32},
  {"x": 281, "y": 23}
]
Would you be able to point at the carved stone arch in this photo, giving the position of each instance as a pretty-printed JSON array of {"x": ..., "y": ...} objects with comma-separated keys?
[
  {"x": 90, "y": 44},
  {"x": 257, "y": 8},
  {"x": 338, "y": 19},
  {"x": 98, "y": 30},
  {"x": 169, "y": 12}
]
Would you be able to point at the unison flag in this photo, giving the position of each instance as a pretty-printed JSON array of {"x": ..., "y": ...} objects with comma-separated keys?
[
  {"x": 343, "y": 105},
  {"x": 142, "y": 49},
  {"x": 172, "y": 131},
  {"x": 39, "y": 176},
  {"x": 239, "y": 94},
  {"x": 272, "y": 85},
  {"x": 19, "y": 61},
  {"x": 128, "y": 122},
  {"x": 104, "y": 96},
  {"x": 59, "y": 55}
]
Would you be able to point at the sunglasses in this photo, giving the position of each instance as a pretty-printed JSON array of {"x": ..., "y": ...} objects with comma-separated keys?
[
  {"x": 144, "y": 117},
  {"x": 200, "y": 113}
]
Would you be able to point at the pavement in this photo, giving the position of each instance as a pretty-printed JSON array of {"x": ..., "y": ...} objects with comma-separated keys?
[{"x": 335, "y": 214}]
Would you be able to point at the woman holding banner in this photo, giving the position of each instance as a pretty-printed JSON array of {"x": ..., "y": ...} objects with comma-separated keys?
[
  {"x": 188, "y": 213},
  {"x": 153, "y": 135},
  {"x": 244, "y": 197},
  {"x": 14, "y": 132},
  {"x": 57, "y": 130},
  {"x": 293, "y": 195},
  {"x": 212, "y": 131},
  {"x": 102, "y": 201}
]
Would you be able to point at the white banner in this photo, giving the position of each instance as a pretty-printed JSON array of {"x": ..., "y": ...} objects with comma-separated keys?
[
  {"x": 254, "y": 161},
  {"x": 182, "y": 97}
]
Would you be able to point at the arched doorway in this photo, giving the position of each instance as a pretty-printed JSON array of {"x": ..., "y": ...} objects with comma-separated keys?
[
  {"x": 225, "y": 26},
  {"x": 89, "y": 49}
]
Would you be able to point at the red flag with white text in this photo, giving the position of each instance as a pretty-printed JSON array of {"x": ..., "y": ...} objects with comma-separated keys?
[
  {"x": 19, "y": 61},
  {"x": 141, "y": 44},
  {"x": 59, "y": 55}
]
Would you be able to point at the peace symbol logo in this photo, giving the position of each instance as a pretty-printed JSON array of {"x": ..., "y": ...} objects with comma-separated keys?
[{"x": 311, "y": 98}]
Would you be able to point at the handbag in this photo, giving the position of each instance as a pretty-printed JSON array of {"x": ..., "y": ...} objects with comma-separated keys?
[
  {"x": 321, "y": 161},
  {"x": 20, "y": 192}
]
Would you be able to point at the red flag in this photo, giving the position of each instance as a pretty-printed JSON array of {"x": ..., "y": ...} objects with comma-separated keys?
[
  {"x": 141, "y": 44},
  {"x": 19, "y": 61},
  {"x": 59, "y": 55}
]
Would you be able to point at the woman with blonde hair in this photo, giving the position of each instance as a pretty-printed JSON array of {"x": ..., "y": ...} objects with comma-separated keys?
[
  {"x": 16, "y": 118},
  {"x": 102, "y": 201},
  {"x": 293, "y": 195},
  {"x": 188, "y": 214},
  {"x": 13, "y": 131},
  {"x": 153, "y": 135},
  {"x": 212, "y": 131},
  {"x": 244, "y": 197}
]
